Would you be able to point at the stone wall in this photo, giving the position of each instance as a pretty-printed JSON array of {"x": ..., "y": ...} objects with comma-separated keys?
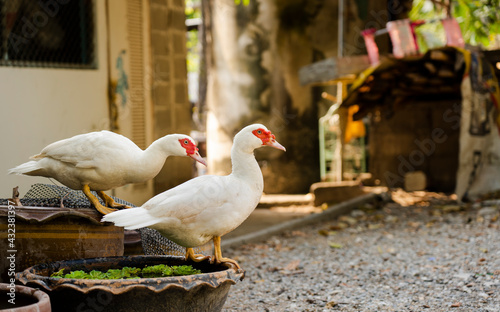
[{"x": 172, "y": 110}]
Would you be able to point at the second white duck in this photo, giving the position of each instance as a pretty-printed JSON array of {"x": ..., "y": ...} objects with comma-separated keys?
[{"x": 207, "y": 207}]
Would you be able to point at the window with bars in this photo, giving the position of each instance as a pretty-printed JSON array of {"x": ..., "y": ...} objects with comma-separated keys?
[{"x": 47, "y": 33}]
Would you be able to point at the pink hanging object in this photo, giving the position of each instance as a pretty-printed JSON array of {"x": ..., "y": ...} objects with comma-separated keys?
[
  {"x": 402, "y": 39},
  {"x": 453, "y": 33},
  {"x": 371, "y": 46}
]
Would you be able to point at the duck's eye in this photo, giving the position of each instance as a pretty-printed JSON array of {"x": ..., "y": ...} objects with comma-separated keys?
[
  {"x": 259, "y": 131},
  {"x": 186, "y": 142}
]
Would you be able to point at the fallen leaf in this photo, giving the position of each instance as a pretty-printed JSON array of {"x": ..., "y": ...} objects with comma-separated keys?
[
  {"x": 436, "y": 213},
  {"x": 287, "y": 273},
  {"x": 323, "y": 232},
  {"x": 378, "y": 217},
  {"x": 414, "y": 224},
  {"x": 339, "y": 226},
  {"x": 392, "y": 250},
  {"x": 456, "y": 305},
  {"x": 451, "y": 208},
  {"x": 391, "y": 219},
  {"x": 298, "y": 233},
  {"x": 335, "y": 245},
  {"x": 326, "y": 232},
  {"x": 292, "y": 266},
  {"x": 347, "y": 219},
  {"x": 375, "y": 226}
]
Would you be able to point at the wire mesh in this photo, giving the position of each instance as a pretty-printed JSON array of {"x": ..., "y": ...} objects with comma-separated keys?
[
  {"x": 153, "y": 243},
  {"x": 47, "y": 33},
  {"x": 47, "y": 195}
]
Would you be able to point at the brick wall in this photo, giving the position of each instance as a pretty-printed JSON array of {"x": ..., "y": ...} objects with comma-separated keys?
[{"x": 172, "y": 110}]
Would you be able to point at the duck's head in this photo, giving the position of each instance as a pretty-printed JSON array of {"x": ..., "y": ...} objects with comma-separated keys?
[
  {"x": 184, "y": 145},
  {"x": 255, "y": 136}
]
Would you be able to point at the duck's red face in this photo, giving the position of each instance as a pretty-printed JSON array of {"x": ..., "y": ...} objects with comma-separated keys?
[
  {"x": 188, "y": 146},
  {"x": 192, "y": 150},
  {"x": 267, "y": 138},
  {"x": 263, "y": 134}
]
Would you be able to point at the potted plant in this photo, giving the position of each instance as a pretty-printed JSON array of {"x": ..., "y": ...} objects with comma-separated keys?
[{"x": 201, "y": 292}]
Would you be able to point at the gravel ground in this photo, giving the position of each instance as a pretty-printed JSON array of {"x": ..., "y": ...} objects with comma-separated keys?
[{"x": 422, "y": 252}]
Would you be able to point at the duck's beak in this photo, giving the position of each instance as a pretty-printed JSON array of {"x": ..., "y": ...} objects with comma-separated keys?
[
  {"x": 275, "y": 144},
  {"x": 196, "y": 156}
]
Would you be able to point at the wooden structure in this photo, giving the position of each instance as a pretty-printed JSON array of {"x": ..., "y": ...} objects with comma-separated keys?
[{"x": 414, "y": 106}]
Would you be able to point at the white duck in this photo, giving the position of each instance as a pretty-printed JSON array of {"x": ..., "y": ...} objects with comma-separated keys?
[
  {"x": 206, "y": 207},
  {"x": 104, "y": 160}
]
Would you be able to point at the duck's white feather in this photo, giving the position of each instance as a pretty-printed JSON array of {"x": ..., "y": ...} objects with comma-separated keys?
[
  {"x": 29, "y": 166},
  {"x": 88, "y": 150},
  {"x": 132, "y": 219}
]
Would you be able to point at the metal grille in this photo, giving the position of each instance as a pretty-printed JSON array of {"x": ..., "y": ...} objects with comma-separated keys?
[
  {"x": 46, "y": 195},
  {"x": 153, "y": 243},
  {"x": 47, "y": 33}
]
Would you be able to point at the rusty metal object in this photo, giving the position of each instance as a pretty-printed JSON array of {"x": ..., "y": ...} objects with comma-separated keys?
[
  {"x": 45, "y": 214},
  {"x": 15, "y": 197},
  {"x": 202, "y": 292},
  {"x": 26, "y": 299}
]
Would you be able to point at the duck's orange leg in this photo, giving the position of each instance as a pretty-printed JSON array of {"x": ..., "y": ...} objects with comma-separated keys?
[
  {"x": 110, "y": 202},
  {"x": 218, "y": 254},
  {"x": 95, "y": 201},
  {"x": 190, "y": 255}
]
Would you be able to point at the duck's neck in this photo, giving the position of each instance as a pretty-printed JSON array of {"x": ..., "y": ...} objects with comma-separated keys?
[
  {"x": 151, "y": 160},
  {"x": 245, "y": 167}
]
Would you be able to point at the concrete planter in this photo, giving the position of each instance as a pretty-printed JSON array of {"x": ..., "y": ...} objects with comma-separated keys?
[{"x": 201, "y": 292}]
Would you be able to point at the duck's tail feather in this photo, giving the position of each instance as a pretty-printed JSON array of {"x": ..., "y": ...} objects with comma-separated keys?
[
  {"x": 131, "y": 218},
  {"x": 26, "y": 168}
]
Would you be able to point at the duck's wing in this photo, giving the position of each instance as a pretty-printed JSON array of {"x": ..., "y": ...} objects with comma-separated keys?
[
  {"x": 188, "y": 200},
  {"x": 85, "y": 150}
]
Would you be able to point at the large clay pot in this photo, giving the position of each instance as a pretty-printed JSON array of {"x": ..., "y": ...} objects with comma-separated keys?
[
  {"x": 46, "y": 234},
  {"x": 201, "y": 292},
  {"x": 26, "y": 299}
]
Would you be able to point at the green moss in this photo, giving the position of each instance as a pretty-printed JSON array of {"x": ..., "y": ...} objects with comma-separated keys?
[{"x": 160, "y": 270}]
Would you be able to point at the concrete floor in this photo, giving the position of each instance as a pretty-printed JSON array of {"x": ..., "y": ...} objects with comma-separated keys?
[{"x": 263, "y": 218}]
